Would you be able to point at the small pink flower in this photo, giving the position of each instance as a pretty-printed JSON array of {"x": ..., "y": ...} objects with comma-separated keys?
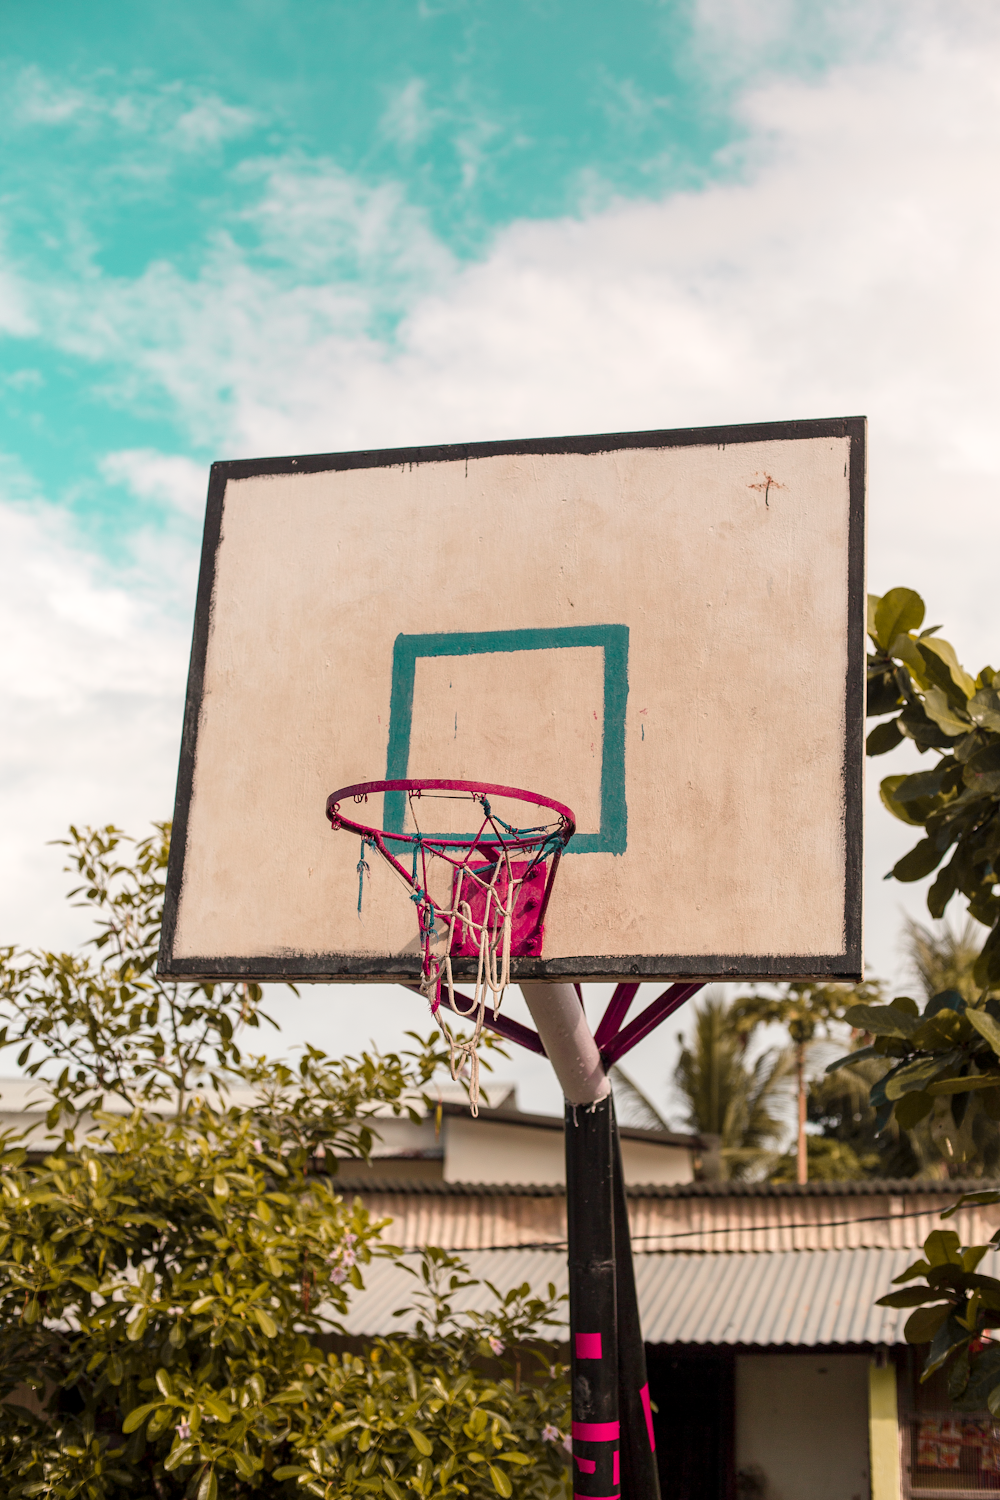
[
  {"x": 337, "y": 1275},
  {"x": 551, "y": 1434},
  {"x": 183, "y": 1429},
  {"x": 495, "y": 1344},
  {"x": 348, "y": 1257},
  {"x": 350, "y": 1239}
]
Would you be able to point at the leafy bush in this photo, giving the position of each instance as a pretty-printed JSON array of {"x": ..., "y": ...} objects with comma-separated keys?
[
  {"x": 916, "y": 679},
  {"x": 945, "y": 1056},
  {"x": 418, "y": 1416},
  {"x": 168, "y": 1281}
]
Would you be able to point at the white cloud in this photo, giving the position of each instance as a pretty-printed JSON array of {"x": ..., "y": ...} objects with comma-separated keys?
[
  {"x": 170, "y": 479},
  {"x": 210, "y": 122},
  {"x": 321, "y": 223},
  {"x": 174, "y": 115},
  {"x": 407, "y": 118},
  {"x": 38, "y": 100},
  {"x": 851, "y": 267},
  {"x": 15, "y": 318},
  {"x": 91, "y": 676}
]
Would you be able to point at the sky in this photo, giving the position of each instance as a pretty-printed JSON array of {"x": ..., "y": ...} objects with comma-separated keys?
[{"x": 237, "y": 229}]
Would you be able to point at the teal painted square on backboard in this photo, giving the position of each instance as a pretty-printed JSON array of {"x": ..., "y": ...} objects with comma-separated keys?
[{"x": 612, "y": 640}]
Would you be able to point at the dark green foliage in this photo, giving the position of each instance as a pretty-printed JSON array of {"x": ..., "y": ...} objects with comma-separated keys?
[
  {"x": 948, "y": 1056},
  {"x": 955, "y": 1305},
  {"x": 838, "y": 1103},
  {"x": 940, "y": 707},
  {"x": 941, "y": 1065}
]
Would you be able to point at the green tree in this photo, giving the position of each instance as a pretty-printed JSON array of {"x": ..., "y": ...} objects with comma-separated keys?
[
  {"x": 955, "y": 1305},
  {"x": 724, "y": 1097},
  {"x": 806, "y": 1010},
  {"x": 919, "y": 689},
  {"x": 942, "y": 1060},
  {"x": 944, "y": 958},
  {"x": 945, "y": 1056},
  {"x": 103, "y": 1024},
  {"x": 849, "y": 1143},
  {"x": 168, "y": 1279},
  {"x": 416, "y": 1416}
]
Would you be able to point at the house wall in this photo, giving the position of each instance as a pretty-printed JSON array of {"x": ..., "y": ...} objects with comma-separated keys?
[
  {"x": 487, "y": 1151},
  {"x": 495, "y": 1153},
  {"x": 802, "y": 1426},
  {"x": 651, "y": 1165}
]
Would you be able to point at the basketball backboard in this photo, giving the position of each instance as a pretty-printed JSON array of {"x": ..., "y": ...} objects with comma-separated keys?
[{"x": 662, "y": 630}]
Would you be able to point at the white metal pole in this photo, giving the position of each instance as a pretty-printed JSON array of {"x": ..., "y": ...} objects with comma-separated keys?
[{"x": 568, "y": 1041}]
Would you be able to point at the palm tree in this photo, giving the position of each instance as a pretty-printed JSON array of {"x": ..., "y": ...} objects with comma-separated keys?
[
  {"x": 943, "y": 959},
  {"x": 723, "y": 1097},
  {"x": 850, "y": 1144},
  {"x": 806, "y": 1009},
  {"x": 632, "y": 1106}
]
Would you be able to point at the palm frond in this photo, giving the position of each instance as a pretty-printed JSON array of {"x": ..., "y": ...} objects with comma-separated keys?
[
  {"x": 943, "y": 957},
  {"x": 632, "y": 1106},
  {"x": 721, "y": 1096}
]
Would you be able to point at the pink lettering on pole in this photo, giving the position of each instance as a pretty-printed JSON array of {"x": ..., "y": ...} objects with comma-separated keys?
[
  {"x": 644, "y": 1397},
  {"x": 614, "y": 1471},
  {"x": 578, "y": 1496},
  {"x": 588, "y": 1346},
  {"x": 596, "y": 1432},
  {"x": 587, "y": 1465}
]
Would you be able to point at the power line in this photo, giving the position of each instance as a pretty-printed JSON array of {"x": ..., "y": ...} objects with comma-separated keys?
[{"x": 686, "y": 1234}]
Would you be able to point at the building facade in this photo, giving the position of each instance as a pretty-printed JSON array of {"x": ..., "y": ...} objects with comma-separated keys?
[{"x": 773, "y": 1372}]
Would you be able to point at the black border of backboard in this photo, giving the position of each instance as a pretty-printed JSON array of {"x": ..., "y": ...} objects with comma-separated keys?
[{"x": 334, "y": 968}]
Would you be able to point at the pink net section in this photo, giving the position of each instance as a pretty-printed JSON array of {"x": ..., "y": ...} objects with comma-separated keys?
[{"x": 480, "y": 895}]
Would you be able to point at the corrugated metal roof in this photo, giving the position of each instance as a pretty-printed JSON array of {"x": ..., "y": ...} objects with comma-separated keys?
[
  {"x": 868, "y": 1187},
  {"x": 494, "y": 1219},
  {"x": 799, "y": 1297},
  {"x": 780, "y": 1297}
]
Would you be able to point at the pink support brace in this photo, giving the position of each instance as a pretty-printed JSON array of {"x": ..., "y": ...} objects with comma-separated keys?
[{"x": 648, "y": 1410}]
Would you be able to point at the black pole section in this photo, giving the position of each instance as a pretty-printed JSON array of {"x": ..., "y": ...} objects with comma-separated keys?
[
  {"x": 590, "y": 1224},
  {"x": 640, "y": 1476}
]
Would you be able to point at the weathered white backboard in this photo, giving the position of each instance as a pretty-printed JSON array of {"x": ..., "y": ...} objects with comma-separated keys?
[{"x": 663, "y": 630}]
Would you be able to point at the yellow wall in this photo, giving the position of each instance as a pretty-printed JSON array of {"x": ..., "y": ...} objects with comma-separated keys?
[{"x": 883, "y": 1429}]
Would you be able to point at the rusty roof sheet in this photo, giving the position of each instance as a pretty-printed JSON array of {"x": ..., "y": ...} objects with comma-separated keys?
[{"x": 497, "y": 1219}]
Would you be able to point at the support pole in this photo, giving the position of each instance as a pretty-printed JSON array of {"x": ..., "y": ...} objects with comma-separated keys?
[
  {"x": 639, "y": 1470},
  {"x": 590, "y": 1223},
  {"x": 558, "y": 1013},
  {"x": 613, "y": 1443}
]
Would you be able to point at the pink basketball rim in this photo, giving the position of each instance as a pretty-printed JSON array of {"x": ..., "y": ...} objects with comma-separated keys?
[
  {"x": 494, "y": 844},
  {"x": 362, "y": 790}
]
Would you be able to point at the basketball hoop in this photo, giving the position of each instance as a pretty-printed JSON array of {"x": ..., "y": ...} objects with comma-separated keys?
[{"x": 480, "y": 894}]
